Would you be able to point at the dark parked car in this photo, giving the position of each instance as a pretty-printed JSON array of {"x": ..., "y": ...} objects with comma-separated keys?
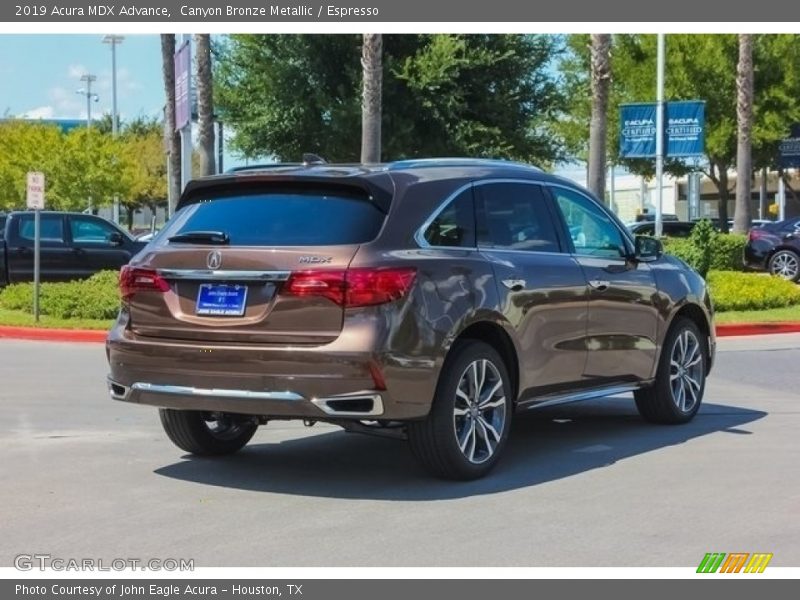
[
  {"x": 775, "y": 247},
  {"x": 679, "y": 229},
  {"x": 428, "y": 300},
  {"x": 72, "y": 246}
]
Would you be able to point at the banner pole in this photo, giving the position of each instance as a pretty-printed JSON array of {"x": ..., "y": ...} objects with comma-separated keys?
[{"x": 659, "y": 135}]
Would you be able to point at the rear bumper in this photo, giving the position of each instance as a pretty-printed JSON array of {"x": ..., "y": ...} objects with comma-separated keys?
[
  {"x": 367, "y": 404},
  {"x": 345, "y": 379},
  {"x": 756, "y": 255}
]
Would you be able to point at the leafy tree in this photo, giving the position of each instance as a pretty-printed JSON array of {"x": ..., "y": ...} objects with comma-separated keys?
[
  {"x": 78, "y": 166},
  {"x": 474, "y": 95},
  {"x": 699, "y": 67},
  {"x": 145, "y": 169}
]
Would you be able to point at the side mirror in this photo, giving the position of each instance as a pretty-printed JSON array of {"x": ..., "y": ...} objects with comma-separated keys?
[
  {"x": 647, "y": 249},
  {"x": 115, "y": 238}
]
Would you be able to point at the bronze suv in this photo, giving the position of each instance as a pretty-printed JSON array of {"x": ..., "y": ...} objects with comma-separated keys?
[{"x": 428, "y": 300}]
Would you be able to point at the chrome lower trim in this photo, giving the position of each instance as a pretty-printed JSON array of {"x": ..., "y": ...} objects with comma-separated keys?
[
  {"x": 209, "y": 275},
  {"x": 181, "y": 390},
  {"x": 578, "y": 397},
  {"x": 325, "y": 404}
]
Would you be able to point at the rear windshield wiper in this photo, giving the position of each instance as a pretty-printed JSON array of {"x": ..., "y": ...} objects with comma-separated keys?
[{"x": 202, "y": 237}]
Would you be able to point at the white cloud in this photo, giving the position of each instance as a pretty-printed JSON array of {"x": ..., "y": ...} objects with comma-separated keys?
[
  {"x": 40, "y": 112},
  {"x": 76, "y": 71}
]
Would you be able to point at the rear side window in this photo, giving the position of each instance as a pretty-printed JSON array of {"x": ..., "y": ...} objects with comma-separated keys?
[
  {"x": 455, "y": 226},
  {"x": 515, "y": 216},
  {"x": 51, "y": 228},
  {"x": 282, "y": 219}
]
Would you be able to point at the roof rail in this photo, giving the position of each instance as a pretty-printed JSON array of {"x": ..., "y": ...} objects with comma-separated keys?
[{"x": 417, "y": 163}]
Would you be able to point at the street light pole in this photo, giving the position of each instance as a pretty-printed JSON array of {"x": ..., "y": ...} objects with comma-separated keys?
[
  {"x": 113, "y": 40},
  {"x": 87, "y": 91}
]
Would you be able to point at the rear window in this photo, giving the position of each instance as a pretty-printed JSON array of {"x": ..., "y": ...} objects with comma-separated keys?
[{"x": 282, "y": 219}]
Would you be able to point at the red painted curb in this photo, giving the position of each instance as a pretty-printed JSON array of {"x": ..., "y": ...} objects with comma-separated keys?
[
  {"x": 93, "y": 335},
  {"x": 53, "y": 335},
  {"x": 756, "y": 328}
]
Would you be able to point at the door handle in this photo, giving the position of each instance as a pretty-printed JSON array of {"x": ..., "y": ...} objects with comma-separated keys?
[
  {"x": 599, "y": 284},
  {"x": 515, "y": 285}
]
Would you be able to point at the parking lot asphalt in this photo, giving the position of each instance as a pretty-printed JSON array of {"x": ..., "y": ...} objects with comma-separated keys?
[{"x": 587, "y": 484}]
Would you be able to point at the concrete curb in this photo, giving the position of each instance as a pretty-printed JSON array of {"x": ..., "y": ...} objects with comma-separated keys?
[
  {"x": 94, "y": 335},
  {"x": 756, "y": 328}
]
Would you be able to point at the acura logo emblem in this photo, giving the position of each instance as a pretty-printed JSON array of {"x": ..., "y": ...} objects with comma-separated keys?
[{"x": 214, "y": 260}]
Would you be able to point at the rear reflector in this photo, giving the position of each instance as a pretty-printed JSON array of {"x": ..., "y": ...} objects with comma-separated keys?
[
  {"x": 133, "y": 280},
  {"x": 352, "y": 287}
]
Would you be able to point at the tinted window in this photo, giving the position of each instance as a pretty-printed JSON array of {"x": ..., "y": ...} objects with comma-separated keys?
[
  {"x": 282, "y": 219},
  {"x": 591, "y": 229},
  {"x": 51, "y": 228},
  {"x": 85, "y": 230},
  {"x": 2, "y": 227},
  {"x": 455, "y": 225},
  {"x": 515, "y": 216}
]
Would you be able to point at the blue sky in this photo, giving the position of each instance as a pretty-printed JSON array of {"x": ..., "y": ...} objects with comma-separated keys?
[{"x": 41, "y": 74}]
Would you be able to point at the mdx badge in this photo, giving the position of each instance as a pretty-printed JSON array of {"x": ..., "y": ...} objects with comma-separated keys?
[{"x": 317, "y": 260}]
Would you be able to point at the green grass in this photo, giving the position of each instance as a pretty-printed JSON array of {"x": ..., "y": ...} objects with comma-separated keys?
[
  {"x": 772, "y": 315},
  {"x": 18, "y": 318}
]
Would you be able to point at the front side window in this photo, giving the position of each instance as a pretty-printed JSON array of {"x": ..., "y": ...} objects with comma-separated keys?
[
  {"x": 455, "y": 225},
  {"x": 86, "y": 230},
  {"x": 592, "y": 231},
  {"x": 515, "y": 216}
]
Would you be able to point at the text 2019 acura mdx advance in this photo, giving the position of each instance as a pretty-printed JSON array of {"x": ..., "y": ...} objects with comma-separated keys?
[{"x": 425, "y": 299}]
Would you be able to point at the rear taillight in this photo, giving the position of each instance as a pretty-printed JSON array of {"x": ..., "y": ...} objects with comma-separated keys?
[
  {"x": 756, "y": 233},
  {"x": 352, "y": 287},
  {"x": 133, "y": 280}
]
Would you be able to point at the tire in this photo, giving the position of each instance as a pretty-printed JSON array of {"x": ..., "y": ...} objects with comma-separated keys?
[
  {"x": 785, "y": 264},
  {"x": 676, "y": 395},
  {"x": 205, "y": 433},
  {"x": 459, "y": 439}
]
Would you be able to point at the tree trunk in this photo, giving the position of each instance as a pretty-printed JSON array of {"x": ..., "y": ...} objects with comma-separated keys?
[
  {"x": 372, "y": 68},
  {"x": 205, "y": 104},
  {"x": 724, "y": 196},
  {"x": 172, "y": 138},
  {"x": 601, "y": 79},
  {"x": 742, "y": 217}
]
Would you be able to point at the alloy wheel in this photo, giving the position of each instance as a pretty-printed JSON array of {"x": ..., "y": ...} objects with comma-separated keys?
[
  {"x": 785, "y": 264},
  {"x": 686, "y": 371},
  {"x": 479, "y": 412}
]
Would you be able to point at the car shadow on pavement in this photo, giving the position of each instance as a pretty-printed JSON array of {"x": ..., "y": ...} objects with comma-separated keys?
[{"x": 545, "y": 445}]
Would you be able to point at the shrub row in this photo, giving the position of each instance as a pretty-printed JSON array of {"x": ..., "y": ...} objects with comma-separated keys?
[
  {"x": 707, "y": 250},
  {"x": 93, "y": 298},
  {"x": 732, "y": 290}
]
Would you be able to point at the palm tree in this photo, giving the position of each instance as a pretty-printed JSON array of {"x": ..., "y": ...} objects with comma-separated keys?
[
  {"x": 744, "y": 116},
  {"x": 600, "y": 81},
  {"x": 372, "y": 69},
  {"x": 172, "y": 138},
  {"x": 205, "y": 104}
]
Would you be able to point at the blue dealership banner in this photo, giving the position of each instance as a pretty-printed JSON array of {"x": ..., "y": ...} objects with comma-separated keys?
[
  {"x": 637, "y": 134},
  {"x": 685, "y": 132},
  {"x": 790, "y": 149},
  {"x": 684, "y": 129}
]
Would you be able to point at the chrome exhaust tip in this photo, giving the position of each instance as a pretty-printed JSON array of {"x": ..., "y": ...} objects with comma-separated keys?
[{"x": 358, "y": 404}]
